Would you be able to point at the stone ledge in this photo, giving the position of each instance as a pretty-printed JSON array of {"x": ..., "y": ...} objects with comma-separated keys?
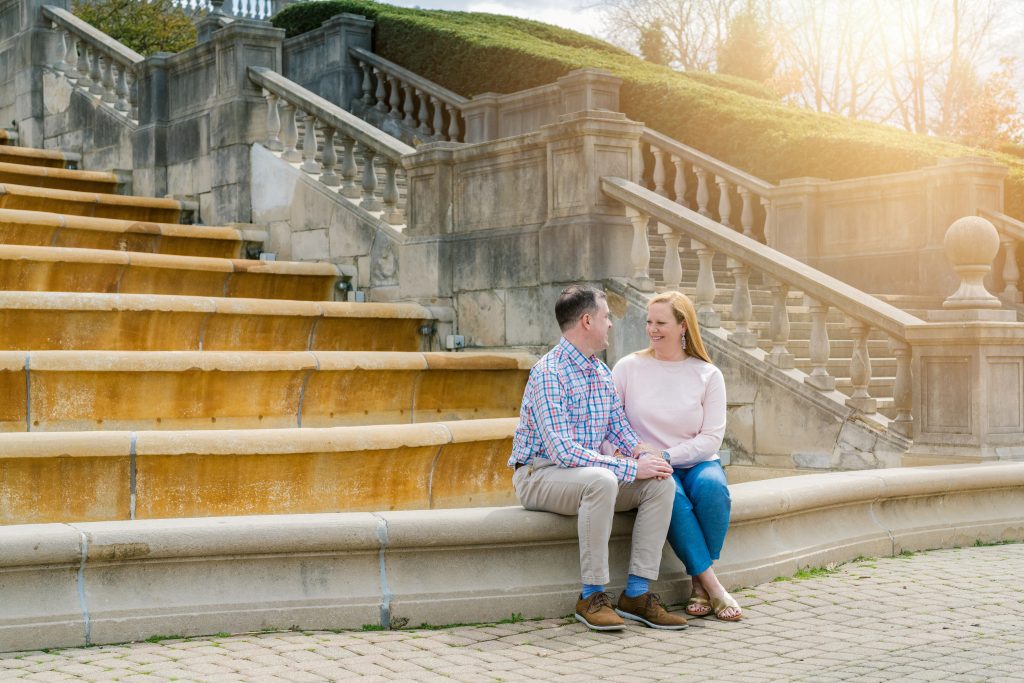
[{"x": 68, "y": 585}]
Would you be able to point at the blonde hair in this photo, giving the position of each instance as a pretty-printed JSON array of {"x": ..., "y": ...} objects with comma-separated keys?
[{"x": 683, "y": 310}]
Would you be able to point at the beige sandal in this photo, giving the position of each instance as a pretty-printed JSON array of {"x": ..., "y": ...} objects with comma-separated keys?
[
  {"x": 724, "y": 603},
  {"x": 698, "y": 606}
]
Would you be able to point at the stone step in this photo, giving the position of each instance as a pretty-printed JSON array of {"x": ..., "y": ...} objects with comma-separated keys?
[
  {"x": 880, "y": 387},
  {"x": 802, "y": 330},
  {"x": 838, "y": 348},
  {"x": 58, "y": 269},
  {"x": 48, "y": 158},
  {"x": 58, "y": 178},
  {"x": 38, "y": 228},
  {"x": 840, "y": 367},
  {"x": 130, "y": 390},
  {"x": 29, "y": 198},
  {"x": 8, "y": 137},
  {"x": 152, "y": 322},
  {"x": 94, "y": 476}
]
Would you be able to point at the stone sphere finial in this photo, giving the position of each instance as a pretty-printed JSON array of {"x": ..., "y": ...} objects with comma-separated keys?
[{"x": 971, "y": 245}]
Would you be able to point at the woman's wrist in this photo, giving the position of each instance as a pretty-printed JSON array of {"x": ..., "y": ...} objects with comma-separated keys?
[{"x": 667, "y": 457}]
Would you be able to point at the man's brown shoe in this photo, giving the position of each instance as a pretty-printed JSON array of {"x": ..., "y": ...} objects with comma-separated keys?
[
  {"x": 597, "y": 613},
  {"x": 647, "y": 609}
]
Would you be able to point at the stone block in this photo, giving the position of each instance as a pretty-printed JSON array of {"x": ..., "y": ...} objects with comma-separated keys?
[
  {"x": 280, "y": 242},
  {"x": 384, "y": 264},
  {"x": 530, "y": 316},
  {"x": 818, "y": 460},
  {"x": 310, "y": 245},
  {"x": 350, "y": 234},
  {"x": 499, "y": 260},
  {"x": 273, "y": 186},
  {"x": 481, "y": 316},
  {"x": 739, "y": 436},
  {"x": 180, "y": 179},
  {"x": 426, "y": 273}
]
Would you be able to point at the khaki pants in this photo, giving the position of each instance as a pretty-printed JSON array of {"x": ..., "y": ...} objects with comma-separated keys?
[{"x": 595, "y": 495}]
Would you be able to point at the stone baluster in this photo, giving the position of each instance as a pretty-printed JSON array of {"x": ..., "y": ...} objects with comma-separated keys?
[
  {"x": 367, "y": 85},
  {"x": 1011, "y": 272},
  {"x": 680, "y": 184},
  {"x": 742, "y": 310},
  {"x": 453, "y": 123},
  {"x": 659, "y": 171},
  {"x": 395, "y": 100},
  {"x": 380, "y": 94},
  {"x": 133, "y": 95},
  {"x": 60, "y": 63},
  {"x": 640, "y": 254},
  {"x": 747, "y": 213},
  {"x": 860, "y": 368},
  {"x": 121, "y": 89},
  {"x": 289, "y": 133},
  {"x": 273, "y": 122},
  {"x": 702, "y": 191},
  {"x": 672, "y": 270},
  {"x": 109, "y": 96},
  {"x": 71, "y": 56},
  {"x": 409, "y": 106},
  {"x": 82, "y": 66},
  {"x": 392, "y": 214},
  {"x": 902, "y": 391},
  {"x": 724, "y": 203},
  {"x": 369, "y": 201},
  {"x": 438, "y": 124},
  {"x": 349, "y": 168},
  {"x": 820, "y": 347},
  {"x": 95, "y": 74},
  {"x": 329, "y": 158},
  {"x": 424, "y": 113},
  {"x": 309, "y": 164},
  {"x": 706, "y": 290},
  {"x": 779, "y": 356},
  {"x": 769, "y": 219}
]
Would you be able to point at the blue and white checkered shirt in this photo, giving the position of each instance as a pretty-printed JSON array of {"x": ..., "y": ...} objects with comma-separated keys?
[{"x": 569, "y": 408}]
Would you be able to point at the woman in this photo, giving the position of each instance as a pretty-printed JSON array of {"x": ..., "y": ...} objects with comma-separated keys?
[{"x": 675, "y": 399}]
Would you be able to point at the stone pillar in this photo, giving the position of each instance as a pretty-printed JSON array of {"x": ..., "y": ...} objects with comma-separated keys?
[
  {"x": 424, "y": 260},
  {"x": 587, "y": 236},
  {"x": 968, "y": 363},
  {"x": 149, "y": 141},
  {"x": 481, "y": 115},
  {"x": 795, "y": 204},
  {"x": 344, "y": 32},
  {"x": 589, "y": 90}
]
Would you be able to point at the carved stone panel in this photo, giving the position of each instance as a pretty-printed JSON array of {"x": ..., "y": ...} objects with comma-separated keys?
[
  {"x": 1005, "y": 389},
  {"x": 948, "y": 391}
]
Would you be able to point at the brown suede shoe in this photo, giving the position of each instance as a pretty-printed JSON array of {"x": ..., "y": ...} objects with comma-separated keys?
[
  {"x": 647, "y": 609},
  {"x": 596, "y": 613}
]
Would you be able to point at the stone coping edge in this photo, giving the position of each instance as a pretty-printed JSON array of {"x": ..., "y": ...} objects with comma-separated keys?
[{"x": 76, "y": 584}]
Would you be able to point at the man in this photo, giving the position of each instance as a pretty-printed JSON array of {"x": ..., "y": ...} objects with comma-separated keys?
[{"x": 569, "y": 408}]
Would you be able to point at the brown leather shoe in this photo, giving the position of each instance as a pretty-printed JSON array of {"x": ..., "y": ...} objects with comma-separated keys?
[
  {"x": 647, "y": 609},
  {"x": 596, "y": 613}
]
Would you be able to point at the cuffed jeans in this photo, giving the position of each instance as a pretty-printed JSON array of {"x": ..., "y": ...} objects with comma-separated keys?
[
  {"x": 700, "y": 515},
  {"x": 594, "y": 494}
]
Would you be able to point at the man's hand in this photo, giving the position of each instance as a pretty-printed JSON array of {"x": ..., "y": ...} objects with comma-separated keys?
[
  {"x": 652, "y": 467},
  {"x": 643, "y": 448}
]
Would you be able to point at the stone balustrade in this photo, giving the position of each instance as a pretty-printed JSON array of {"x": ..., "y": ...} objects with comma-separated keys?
[
  {"x": 94, "y": 62},
  {"x": 1011, "y": 235},
  {"x": 676, "y": 166},
  {"x": 433, "y": 111},
  {"x": 377, "y": 150},
  {"x": 863, "y": 312}
]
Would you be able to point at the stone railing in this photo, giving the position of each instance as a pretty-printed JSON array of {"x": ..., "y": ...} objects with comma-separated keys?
[
  {"x": 94, "y": 62},
  {"x": 286, "y": 99},
  {"x": 1011, "y": 236},
  {"x": 416, "y": 102},
  {"x": 672, "y": 183},
  {"x": 246, "y": 9},
  {"x": 822, "y": 292}
]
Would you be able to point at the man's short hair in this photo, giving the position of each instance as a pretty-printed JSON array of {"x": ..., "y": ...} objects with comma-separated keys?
[{"x": 574, "y": 302}]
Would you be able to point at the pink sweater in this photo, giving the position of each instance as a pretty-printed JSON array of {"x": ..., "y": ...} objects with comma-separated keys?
[{"x": 679, "y": 406}]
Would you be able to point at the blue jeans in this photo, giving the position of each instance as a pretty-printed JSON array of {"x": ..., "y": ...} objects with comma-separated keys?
[{"x": 700, "y": 515}]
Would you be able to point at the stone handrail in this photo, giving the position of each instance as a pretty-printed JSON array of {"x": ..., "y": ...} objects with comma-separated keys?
[
  {"x": 247, "y": 9},
  {"x": 285, "y": 98},
  {"x": 95, "y": 62},
  {"x": 822, "y": 292},
  {"x": 725, "y": 176},
  {"x": 1011, "y": 234},
  {"x": 417, "y": 102}
]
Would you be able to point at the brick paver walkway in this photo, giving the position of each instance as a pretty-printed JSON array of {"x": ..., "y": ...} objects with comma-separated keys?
[{"x": 941, "y": 615}]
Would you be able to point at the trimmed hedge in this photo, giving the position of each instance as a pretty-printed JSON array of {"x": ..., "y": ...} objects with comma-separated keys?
[{"x": 727, "y": 117}]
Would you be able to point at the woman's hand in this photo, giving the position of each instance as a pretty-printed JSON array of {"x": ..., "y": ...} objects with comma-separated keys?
[{"x": 652, "y": 466}]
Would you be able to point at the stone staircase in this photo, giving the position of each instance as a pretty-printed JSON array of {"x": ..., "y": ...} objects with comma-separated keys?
[
  {"x": 883, "y": 362},
  {"x": 149, "y": 371}
]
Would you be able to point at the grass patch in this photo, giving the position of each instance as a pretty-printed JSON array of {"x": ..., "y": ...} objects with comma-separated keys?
[{"x": 159, "y": 639}]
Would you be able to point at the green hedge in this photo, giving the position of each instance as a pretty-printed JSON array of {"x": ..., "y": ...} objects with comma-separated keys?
[{"x": 727, "y": 117}]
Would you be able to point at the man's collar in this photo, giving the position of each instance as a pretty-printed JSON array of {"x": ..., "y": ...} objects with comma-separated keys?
[{"x": 575, "y": 354}]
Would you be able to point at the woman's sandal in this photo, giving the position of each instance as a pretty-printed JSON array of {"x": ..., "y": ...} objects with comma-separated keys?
[
  {"x": 724, "y": 603},
  {"x": 698, "y": 606}
]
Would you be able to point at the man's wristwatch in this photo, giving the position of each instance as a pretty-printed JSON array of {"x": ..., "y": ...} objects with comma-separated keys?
[{"x": 667, "y": 457}]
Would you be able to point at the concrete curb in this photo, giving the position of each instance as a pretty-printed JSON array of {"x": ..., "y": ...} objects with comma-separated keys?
[{"x": 92, "y": 583}]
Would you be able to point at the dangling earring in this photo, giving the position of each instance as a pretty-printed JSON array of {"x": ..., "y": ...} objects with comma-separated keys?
[{"x": 684, "y": 339}]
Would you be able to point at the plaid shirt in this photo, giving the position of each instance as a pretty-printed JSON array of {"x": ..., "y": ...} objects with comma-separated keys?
[{"x": 569, "y": 408}]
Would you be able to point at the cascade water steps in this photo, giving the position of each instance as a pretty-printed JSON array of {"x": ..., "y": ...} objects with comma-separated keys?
[
  {"x": 55, "y": 178},
  {"x": 149, "y": 372},
  {"x": 42, "y": 158}
]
